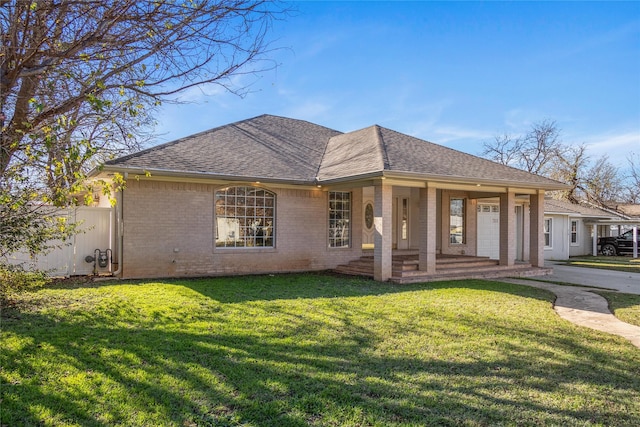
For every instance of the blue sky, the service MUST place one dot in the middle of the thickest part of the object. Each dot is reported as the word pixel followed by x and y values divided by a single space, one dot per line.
pixel 454 73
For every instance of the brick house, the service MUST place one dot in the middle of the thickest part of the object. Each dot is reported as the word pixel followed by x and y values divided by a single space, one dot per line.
pixel 274 194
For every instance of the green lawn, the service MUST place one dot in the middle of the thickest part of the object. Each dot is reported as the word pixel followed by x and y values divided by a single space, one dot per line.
pixel 618 263
pixel 626 307
pixel 299 350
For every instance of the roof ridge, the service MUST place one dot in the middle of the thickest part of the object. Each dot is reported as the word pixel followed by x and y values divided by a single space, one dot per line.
pixel 382 146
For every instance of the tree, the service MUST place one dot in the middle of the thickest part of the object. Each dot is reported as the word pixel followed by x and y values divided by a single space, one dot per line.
pixel 632 190
pixel 602 183
pixel 541 151
pixel 79 80
pixel 532 152
pixel 569 166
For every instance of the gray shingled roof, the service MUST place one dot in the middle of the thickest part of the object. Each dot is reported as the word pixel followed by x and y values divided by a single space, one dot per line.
pixel 376 148
pixel 265 147
pixel 282 149
pixel 563 206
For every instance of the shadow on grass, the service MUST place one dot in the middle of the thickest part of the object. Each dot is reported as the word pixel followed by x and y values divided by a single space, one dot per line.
pixel 238 289
pixel 328 365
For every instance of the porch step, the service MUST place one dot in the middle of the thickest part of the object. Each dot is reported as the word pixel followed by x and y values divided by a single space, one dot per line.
pixel 448 267
pixel 364 265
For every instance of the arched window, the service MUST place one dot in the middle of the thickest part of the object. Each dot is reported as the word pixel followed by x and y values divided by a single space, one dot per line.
pixel 245 217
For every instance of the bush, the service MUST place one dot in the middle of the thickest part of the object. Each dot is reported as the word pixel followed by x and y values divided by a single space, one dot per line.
pixel 15 279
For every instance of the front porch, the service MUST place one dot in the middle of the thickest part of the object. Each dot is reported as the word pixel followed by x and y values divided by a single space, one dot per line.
pixel 448 267
pixel 440 224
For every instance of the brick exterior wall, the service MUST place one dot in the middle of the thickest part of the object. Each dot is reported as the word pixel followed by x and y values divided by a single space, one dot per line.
pixel 169 231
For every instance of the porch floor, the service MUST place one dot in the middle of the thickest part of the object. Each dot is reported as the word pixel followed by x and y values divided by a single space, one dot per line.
pixel 448 267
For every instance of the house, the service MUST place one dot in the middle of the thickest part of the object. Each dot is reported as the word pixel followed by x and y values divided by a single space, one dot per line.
pixel 569 228
pixel 274 194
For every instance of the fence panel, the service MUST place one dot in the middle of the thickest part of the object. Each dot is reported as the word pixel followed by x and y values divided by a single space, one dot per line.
pixel 68 258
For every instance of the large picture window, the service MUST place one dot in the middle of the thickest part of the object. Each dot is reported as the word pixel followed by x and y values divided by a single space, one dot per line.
pixel 456 221
pixel 339 219
pixel 245 217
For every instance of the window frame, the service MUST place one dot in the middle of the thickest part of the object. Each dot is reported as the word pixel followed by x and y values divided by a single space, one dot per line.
pixel 574 233
pixel 548 231
pixel 463 225
pixel 245 208
pixel 335 213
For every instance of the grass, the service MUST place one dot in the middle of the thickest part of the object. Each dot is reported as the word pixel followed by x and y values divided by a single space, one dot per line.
pixel 308 350
pixel 626 307
pixel 618 263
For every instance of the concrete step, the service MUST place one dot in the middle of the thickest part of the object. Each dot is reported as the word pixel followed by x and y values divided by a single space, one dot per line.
pixel 405 268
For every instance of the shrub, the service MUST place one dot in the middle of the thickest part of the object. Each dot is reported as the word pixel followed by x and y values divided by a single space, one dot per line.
pixel 15 279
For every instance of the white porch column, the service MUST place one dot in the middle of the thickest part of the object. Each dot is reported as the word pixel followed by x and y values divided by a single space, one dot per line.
pixel 383 251
pixel 536 229
pixel 507 228
pixel 594 243
pixel 635 241
pixel 427 254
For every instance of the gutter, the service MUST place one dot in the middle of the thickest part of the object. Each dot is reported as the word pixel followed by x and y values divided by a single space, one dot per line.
pixel 548 186
pixel 196 175
pixel 445 179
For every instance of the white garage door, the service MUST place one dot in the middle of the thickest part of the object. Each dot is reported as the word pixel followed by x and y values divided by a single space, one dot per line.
pixel 489 231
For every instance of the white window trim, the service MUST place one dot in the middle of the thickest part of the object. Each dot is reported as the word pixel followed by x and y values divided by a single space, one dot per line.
pixel 349 212
pixel 577 242
pixel 272 224
pixel 550 233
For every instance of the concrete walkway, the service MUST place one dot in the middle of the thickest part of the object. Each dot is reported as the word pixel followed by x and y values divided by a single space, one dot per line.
pixel 582 307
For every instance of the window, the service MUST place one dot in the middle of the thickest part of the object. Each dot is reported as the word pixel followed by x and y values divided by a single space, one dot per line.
pixel 368 216
pixel 244 217
pixel 456 221
pixel 339 219
pixel 574 232
pixel 547 232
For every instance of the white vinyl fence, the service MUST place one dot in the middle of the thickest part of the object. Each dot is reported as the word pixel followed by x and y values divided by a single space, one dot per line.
pixel 69 258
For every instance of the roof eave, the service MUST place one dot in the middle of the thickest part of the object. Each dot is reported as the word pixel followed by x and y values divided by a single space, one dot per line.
pixel 551 186
pixel 142 172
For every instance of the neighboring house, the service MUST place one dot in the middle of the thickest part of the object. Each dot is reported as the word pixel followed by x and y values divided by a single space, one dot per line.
pixel 629 210
pixel 569 228
pixel 273 194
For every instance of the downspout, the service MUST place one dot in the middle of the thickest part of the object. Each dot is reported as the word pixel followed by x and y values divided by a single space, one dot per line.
pixel 119 228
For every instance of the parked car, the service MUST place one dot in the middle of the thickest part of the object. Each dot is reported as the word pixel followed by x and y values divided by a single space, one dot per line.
pixel 617 245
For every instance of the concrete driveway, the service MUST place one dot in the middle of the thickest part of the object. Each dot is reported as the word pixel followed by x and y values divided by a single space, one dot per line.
pixel 623 282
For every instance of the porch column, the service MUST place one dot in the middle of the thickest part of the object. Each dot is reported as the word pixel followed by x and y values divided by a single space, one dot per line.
pixel 507 228
pixel 382 240
pixel 594 243
pixel 526 219
pixel 427 254
pixel 635 241
pixel 536 229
